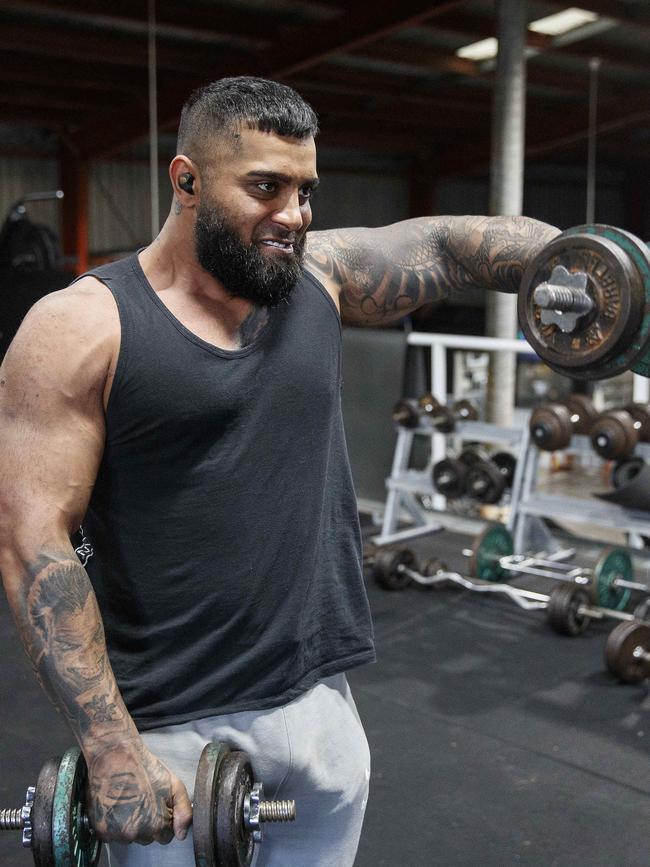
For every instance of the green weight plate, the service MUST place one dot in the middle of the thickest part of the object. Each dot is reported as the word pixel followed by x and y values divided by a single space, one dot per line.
pixel 613 564
pixel 206 793
pixel 42 842
pixel 488 548
pixel 616 336
pixel 620 649
pixel 75 844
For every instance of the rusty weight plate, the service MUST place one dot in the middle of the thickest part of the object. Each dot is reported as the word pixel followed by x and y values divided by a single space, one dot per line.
pixel 614 435
pixel 583 412
pixel 615 336
pixel 550 427
pixel 620 657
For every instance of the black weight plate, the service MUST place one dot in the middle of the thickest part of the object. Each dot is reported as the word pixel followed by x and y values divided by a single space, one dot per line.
pixel 550 427
pixel 235 844
pixel 385 569
pixel 485 482
pixel 406 413
pixel 603 342
pixel 562 612
pixel 613 435
pixel 626 470
pixel 464 410
pixel 470 457
pixel 42 843
pixel 428 403
pixel 206 795
pixel 449 476
pixel 583 412
pixel 506 463
pixel 641 414
pixel 443 419
pixel 620 647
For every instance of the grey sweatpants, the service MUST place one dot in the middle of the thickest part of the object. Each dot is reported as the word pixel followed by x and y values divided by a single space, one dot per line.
pixel 313 750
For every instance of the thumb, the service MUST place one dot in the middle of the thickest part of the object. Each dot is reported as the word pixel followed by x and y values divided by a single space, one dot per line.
pixel 182 809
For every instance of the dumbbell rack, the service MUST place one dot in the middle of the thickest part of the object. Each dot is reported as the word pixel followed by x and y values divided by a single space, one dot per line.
pixel 404 484
pixel 531 505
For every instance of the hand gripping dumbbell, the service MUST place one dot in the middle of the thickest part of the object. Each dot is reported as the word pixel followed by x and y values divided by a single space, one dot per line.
pixel 614 435
pixel 553 424
pixel 582 303
pixel 228 811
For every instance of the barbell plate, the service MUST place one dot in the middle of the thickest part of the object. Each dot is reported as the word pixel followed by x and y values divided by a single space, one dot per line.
pixel 613 435
pixel 449 476
pixel 75 844
pixel 42 842
pixel 205 799
pixel 550 427
pixel 489 546
pixel 485 482
pixel 613 563
pixel 615 336
pixel 506 463
pixel 620 647
pixel 385 569
pixel 563 612
pixel 235 844
pixel 581 406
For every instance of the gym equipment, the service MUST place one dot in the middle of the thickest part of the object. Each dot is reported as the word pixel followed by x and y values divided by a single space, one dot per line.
pixel 26 246
pixel 582 303
pixel 229 809
pixel 552 425
pixel 627 651
pixel 614 435
pixel 409 412
pixel 449 475
pixel 53 819
pixel 475 475
pixel 444 418
pixel 626 470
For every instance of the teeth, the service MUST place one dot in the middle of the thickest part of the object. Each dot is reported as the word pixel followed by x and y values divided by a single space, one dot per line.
pixel 280 244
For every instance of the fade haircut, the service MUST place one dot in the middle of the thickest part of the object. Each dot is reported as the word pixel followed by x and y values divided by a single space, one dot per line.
pixel 225 106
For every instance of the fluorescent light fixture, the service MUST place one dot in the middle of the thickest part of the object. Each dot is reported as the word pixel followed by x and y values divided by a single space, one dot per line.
pixel 563 22
pixel 482 50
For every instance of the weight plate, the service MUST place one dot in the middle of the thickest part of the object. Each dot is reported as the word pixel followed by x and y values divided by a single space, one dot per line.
pixel 506 463
pixel 621 644
pixel 489 547
pixel 42 841
pixel 464 410
pixel 614 337
pixel 641 414
pixel 470 457
pixel 550 427
pixel 583 412
pixel 612 564
pixel 75 844
pixel 449 476
pixel 386 572
pixel 406 413
pixel 613 435
pixel 443 419
pixel 235 844
pixel 429 404
pixel 563 612
pixel 206 796
pixel 626 470
pixel 485 482
pixel 430 568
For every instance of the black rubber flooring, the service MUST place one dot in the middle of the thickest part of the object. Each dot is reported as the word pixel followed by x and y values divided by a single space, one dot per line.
pixel 494 740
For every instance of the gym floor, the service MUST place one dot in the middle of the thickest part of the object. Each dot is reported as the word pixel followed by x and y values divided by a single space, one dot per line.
pixel 494 740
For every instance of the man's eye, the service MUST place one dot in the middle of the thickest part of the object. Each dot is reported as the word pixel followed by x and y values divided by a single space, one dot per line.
pixel 266 187
pixel 307 192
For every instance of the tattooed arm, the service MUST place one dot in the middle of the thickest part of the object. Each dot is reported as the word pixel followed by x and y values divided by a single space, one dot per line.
pixel 53 385
pixel 380 275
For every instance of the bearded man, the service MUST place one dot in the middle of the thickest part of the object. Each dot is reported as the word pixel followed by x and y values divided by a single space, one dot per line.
pixel 184 404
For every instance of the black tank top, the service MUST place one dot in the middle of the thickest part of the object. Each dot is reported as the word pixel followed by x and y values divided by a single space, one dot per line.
pixel 226 546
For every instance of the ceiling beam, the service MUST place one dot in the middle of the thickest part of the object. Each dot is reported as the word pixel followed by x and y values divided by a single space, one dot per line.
pixel 309 45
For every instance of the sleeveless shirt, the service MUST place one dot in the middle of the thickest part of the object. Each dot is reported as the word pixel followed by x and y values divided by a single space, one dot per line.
pixel 223 523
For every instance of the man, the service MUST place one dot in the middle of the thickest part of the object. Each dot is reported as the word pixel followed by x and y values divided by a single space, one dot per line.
pixel 184 403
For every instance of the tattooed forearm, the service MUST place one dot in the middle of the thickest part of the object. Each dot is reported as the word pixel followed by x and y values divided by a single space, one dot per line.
pixel 385 273
pixel 64 637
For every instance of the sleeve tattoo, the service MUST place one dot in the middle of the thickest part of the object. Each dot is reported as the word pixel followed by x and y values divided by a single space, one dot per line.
pixel 383 274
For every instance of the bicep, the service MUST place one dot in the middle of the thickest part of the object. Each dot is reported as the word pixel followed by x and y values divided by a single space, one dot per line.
pixel 51 430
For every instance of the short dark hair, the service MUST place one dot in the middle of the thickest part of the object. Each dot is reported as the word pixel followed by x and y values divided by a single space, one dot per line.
pixel 224 105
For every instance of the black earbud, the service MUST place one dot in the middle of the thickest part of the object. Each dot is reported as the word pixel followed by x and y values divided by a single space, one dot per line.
pixel 186 182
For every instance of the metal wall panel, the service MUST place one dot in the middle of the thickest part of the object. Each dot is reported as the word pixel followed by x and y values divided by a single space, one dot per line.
pixel 21 176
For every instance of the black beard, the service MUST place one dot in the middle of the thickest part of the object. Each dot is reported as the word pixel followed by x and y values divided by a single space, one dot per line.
pixel 241 268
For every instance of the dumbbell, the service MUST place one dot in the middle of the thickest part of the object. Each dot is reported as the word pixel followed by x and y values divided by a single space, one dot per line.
pixel 449 476
pixel 582 303
pixel 228 812
pixel 475 475
pixel 552 425
pixel 614 435
pixel 396 568
pixel 443 418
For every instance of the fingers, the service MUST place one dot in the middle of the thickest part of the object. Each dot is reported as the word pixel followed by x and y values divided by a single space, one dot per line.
pixel 182 809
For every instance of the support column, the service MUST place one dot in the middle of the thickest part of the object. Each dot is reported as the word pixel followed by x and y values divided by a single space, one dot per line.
pixel 73 180
pixel 506 188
